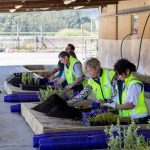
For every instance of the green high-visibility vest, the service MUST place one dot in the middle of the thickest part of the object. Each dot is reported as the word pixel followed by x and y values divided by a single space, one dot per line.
pixel 69 72
pixel 140 108
pixel 105 90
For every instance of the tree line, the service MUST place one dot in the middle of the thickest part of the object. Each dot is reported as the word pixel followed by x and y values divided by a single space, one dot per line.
pixel 53 21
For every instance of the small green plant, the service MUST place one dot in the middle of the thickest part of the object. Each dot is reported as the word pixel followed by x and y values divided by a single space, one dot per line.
pixel 108 118
pixel 126 139
pixel 114 143
pixel 44 94
pixel 27 78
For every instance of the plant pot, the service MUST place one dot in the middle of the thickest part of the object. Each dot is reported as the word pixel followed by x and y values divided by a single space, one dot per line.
pixel 32 88
pixel 21 97
pixel 15 108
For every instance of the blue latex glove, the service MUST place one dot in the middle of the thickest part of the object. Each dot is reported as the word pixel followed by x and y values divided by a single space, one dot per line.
pixel 95 105
pixel 50 83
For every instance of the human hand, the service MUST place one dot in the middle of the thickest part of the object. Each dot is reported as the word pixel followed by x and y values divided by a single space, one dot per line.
pixel 46 74
pixel 68 87
pixel 72 101
pixel 111 105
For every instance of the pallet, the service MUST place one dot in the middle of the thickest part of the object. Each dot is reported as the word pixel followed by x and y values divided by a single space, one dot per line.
pixel 10 89
pixel 44 124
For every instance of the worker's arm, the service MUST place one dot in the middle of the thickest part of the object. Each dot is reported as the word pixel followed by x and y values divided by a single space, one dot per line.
pixel 131 98
pixel 59 81
pixel 75 83
pixel 125 106
pixel 82 95
pixel 53 71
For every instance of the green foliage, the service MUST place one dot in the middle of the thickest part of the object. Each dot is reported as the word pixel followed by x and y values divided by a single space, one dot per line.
pixel 44 94
pixel 27 46
pixel 53 21
pixel 108 119
pixel 73 32
pixel 27 78
pixel 29 33
pixel 115 143
pixel 130 139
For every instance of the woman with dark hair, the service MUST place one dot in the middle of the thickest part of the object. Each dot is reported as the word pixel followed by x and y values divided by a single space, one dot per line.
pixel 73 73
pixel 60 67
pixel 131 101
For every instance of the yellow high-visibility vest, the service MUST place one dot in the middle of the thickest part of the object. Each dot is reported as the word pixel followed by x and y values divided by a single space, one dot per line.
pixel 69 72
pixel 105 90
pixel 141 107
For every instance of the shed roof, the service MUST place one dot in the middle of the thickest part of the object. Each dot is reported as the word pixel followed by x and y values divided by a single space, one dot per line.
pixel 49 5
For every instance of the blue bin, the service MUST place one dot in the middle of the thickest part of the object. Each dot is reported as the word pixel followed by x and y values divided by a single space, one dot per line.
pixel 98 141
pixel 74 142
pixel 22 97
pixel 95 105
pixel 15 108
pixel 43 81
pixel 37 138
pixel 64 143
pixel 32 87
pixel 79 142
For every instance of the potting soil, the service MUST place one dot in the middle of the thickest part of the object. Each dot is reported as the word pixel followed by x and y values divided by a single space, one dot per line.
pixel 55 106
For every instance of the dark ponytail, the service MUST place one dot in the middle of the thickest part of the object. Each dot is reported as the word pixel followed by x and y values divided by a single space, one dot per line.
pixel 122 65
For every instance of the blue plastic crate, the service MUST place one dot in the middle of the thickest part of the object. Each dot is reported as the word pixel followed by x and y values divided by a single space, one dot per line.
pixel 43 81
pixel 74 142
pixel 32 87
pixel 22 97
pixel 92 113
pixel 37 138
pixel 15 108
pixel 65 143
pixel 81 142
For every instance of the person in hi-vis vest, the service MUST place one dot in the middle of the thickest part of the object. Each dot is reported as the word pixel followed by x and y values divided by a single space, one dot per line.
pixel 60 67
pixel 99 81
pixel 73 74
pixel 131 101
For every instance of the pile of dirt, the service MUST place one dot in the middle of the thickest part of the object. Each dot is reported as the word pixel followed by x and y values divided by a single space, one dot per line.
pixel 55 106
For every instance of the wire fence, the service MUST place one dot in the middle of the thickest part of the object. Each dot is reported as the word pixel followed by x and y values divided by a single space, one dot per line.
pixel 87 45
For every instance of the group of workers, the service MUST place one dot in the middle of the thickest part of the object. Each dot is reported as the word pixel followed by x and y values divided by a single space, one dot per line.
pixel 128 100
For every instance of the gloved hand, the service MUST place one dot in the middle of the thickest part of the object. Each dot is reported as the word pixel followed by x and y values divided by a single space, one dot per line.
pixel 111 105
pixel 72 101
pixel 95 105
pixel 50 83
